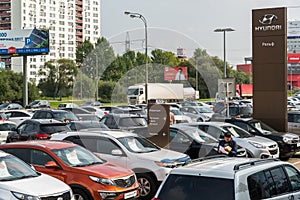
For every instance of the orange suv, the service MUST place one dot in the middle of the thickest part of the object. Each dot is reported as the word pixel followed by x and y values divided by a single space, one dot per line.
pixel 90 177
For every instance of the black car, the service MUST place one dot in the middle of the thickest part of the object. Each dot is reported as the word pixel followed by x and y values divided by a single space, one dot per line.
pixel 60 115
pixel 194 142
pixel 288 143
pixel 236 108
pixel 32 129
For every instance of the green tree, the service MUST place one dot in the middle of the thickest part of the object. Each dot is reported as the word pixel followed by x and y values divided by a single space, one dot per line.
pixel 60 77
pixel 82 51
pixel 11 87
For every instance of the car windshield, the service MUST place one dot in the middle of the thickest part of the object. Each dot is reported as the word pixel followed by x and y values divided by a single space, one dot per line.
pixel 236 132
pixel 63 116
pixel 132 121
pixel 264 128
pixel 12 168
pixel 77 156
pixel 187 187
pixel 3 106
pixel 138 144
pixel 203 109
pixel 34 103
pixel 199 135
pixel 7 127
pixel 176 112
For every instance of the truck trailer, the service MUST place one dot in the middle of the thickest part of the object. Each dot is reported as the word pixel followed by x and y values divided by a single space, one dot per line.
pixel 169 92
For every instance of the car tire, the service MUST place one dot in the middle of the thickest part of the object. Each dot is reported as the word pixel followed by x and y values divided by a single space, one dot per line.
pixel 200 119
pixel 147 187
pixel 80 194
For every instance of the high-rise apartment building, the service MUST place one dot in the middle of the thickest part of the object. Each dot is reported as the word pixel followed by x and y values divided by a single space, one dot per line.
pixel 5 24
pixel 70 22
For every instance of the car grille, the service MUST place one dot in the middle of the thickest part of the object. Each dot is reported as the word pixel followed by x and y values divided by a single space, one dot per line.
pixel 125 182
pixel 295 141
pixel 272 146
pixel 64 196
pixel 273 152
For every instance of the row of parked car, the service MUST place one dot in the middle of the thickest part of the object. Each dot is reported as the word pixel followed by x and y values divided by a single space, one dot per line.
pixel 119 144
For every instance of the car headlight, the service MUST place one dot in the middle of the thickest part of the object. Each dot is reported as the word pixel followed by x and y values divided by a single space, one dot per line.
pixel 287 140
pixel 258 145
pixel 166 164
pixel 24 196
pixel 103 181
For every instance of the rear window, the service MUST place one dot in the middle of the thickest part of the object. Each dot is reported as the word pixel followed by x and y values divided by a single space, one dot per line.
pixel 132 122
pixel 185 187
pixel 52 128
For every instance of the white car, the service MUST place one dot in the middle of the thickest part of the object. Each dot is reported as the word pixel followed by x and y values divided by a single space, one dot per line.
pixel 179 116
pixel 5 128
pixel 150 162
pixel 18 116
pixel 232 179
pixel 19 181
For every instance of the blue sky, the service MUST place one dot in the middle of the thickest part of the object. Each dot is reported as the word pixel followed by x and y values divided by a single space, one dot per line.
pixel 188 24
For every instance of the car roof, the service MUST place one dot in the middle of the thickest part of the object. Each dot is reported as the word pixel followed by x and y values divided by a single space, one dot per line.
pixel 115 134
pixel 225 167
pixel 50 144
pixel 45 121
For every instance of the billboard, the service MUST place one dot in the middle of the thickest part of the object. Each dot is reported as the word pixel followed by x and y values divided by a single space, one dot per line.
pixel 175 73
pixel 24 42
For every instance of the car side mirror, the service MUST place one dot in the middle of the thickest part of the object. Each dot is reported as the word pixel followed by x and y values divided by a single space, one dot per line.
pixel 116 152
pixel 51 164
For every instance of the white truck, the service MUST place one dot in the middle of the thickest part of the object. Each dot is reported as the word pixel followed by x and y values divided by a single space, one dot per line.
pixel 169 92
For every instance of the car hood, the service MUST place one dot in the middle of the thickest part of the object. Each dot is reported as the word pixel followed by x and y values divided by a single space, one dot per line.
pixel 106 170
pixel 284 134
pixel 164 155
pixel 261 140
pixel 42 185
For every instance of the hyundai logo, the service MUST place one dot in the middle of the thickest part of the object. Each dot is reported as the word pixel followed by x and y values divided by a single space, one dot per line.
pixel 268 19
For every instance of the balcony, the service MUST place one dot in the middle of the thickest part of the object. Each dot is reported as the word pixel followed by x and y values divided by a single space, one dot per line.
pixel 79 2
pixel 5 1
pixel 78 8
pixel 79 33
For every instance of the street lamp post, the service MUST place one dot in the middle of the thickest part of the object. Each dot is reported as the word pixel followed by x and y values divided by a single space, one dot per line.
pixel 224 30
pixel 137 15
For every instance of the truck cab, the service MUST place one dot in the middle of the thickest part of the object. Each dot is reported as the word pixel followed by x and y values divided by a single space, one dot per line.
pixel 136 95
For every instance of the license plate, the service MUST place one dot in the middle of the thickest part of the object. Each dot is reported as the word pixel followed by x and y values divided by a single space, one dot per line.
pixel 298 144
pixel 130 194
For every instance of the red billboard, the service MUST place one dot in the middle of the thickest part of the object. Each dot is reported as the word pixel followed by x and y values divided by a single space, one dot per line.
pixel 294 58
pixel 175 73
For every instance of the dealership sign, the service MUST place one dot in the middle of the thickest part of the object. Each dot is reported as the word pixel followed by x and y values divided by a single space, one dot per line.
pixel 269 58
pixel 24 42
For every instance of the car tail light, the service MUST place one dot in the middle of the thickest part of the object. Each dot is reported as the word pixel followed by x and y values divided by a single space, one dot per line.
pixel 155 198
pixel 41 136
pixel 105 112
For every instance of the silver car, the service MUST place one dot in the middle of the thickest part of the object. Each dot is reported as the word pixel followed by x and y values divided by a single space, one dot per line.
pixel 150 163
pixel 256 146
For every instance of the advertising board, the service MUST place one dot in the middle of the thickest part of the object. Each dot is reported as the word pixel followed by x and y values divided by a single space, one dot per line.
pixel 175 73
pixel 24 42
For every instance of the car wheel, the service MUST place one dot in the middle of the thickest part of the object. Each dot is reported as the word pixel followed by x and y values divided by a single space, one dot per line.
pixel 200 120
pixel 79 194
pixel 147 186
